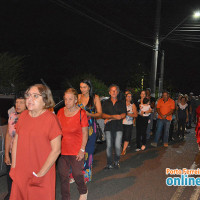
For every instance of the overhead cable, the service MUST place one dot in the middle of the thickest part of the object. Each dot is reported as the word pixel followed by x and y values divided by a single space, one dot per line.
pixel 129 36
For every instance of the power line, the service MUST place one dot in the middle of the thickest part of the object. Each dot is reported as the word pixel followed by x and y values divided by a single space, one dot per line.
pixel 182 39
pixel 106 20
pixel 65 5
pixel 186 37
pixel 174 29
pixel 187 30
pixel 111 14
pixel 184 34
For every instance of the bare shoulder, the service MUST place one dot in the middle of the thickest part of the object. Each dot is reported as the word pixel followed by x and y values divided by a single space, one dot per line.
pixel 133 105
pixel 96 98
pixel 79 96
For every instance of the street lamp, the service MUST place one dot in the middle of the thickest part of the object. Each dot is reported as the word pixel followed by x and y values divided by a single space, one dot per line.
pixel 158 41
pixel 196 14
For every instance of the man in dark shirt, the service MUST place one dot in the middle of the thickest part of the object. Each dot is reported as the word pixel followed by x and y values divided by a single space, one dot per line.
pixel 114 111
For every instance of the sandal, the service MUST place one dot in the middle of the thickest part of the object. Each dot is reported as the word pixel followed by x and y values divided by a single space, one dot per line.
pixel 123 153
pixel 71 180
pixel 143 147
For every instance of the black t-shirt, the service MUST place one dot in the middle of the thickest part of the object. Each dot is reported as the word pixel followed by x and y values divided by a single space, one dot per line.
pixel 182 113
pixel 118 108
pixel 137 104
pixel 152 100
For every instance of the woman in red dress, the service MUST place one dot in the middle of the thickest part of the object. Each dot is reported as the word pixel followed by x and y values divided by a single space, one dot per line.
pixel 36 146
pixel 197 129
pixel 74 125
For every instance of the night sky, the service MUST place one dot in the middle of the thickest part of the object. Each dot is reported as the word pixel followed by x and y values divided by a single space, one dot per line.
pixel 60 42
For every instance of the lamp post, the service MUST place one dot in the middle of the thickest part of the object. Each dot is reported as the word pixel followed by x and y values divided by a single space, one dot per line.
pixel 158 41
pixel 155 50
pixel 161 74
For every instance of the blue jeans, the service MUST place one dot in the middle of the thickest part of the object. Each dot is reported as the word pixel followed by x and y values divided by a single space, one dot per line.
pixel 160 124
pixel 116 139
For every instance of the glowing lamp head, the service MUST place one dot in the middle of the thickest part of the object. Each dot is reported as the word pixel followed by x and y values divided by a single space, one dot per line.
pixel 197 14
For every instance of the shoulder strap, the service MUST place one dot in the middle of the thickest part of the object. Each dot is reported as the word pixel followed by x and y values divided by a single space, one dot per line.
pixel 80 115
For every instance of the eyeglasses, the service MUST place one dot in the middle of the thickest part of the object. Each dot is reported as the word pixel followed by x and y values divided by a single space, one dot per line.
pixel 33 95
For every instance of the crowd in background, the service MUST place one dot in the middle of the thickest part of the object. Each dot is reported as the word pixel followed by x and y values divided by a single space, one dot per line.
pixel 72 133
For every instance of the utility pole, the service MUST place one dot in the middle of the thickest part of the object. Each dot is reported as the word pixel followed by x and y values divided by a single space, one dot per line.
pixel 155 50
pixel 161 73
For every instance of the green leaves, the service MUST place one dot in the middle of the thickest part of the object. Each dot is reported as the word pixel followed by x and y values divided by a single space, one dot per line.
pixel 11 72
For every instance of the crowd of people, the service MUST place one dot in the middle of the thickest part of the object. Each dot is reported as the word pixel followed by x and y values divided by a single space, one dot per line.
pixel 37 137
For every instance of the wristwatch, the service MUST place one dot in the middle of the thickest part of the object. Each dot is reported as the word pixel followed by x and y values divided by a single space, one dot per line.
pixel 83 150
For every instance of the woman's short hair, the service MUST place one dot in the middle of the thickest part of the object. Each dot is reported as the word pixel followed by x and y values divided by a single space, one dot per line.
pixel 72 91
pixel 18 96
pixel 46 95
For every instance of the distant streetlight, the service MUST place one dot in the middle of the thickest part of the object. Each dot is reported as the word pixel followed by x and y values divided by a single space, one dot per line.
pixel 196 14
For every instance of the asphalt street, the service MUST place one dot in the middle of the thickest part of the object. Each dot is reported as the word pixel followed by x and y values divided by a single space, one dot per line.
pixel 142 174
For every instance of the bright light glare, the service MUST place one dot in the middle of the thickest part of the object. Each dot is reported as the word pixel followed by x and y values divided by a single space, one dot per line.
pixel 197 14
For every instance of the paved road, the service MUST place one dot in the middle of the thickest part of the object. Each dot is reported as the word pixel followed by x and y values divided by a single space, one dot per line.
pixel 142 174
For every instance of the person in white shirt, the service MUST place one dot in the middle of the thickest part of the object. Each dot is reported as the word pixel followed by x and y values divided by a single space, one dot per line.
pixel 145 107
pixel 142 121
pixel 128 121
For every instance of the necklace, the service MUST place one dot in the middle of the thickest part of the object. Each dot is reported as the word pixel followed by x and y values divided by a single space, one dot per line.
pixel 37 114
pixel 70 112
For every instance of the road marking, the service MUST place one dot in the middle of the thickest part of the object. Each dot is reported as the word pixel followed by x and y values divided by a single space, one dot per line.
pixel 195 194
pixel 180 189
pixel 178 193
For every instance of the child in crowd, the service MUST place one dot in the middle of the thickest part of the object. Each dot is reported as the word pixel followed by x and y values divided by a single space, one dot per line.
pixel 145 107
